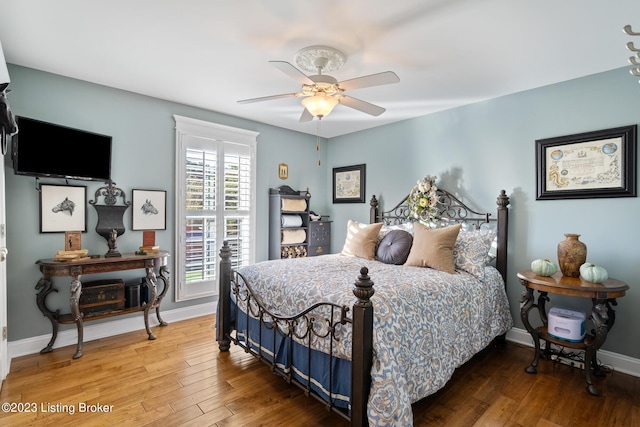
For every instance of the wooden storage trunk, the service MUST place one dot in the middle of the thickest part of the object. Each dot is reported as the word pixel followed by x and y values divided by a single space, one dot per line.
pixel 101 296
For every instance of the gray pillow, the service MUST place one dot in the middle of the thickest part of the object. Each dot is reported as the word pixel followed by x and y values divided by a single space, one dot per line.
pixel 394 248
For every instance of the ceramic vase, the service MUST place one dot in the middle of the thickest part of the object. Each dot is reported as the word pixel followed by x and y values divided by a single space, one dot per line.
pixel 572 253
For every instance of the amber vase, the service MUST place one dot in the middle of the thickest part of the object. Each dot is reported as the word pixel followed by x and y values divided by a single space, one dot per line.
pixel 572 253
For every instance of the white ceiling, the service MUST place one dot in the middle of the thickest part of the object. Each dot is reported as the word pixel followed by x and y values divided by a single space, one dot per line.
pixel 212 53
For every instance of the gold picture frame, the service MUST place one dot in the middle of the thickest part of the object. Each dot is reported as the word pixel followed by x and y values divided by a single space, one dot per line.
pixel 283 171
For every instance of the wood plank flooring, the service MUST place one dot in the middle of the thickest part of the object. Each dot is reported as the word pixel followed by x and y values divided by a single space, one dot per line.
pixel 181 379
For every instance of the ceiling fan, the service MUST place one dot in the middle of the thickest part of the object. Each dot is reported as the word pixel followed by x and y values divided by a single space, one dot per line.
pixel 322 92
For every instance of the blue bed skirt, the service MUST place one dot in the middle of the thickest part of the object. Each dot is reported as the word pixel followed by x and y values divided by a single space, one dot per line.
pixel 268 344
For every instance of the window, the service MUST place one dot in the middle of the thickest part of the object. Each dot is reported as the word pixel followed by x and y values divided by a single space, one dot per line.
pixel 215 187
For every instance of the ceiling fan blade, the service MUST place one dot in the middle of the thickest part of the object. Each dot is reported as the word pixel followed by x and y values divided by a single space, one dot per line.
pixel 292 72
pixel 360 105
pixel 306 116
pixel 378 79
pixel 268 98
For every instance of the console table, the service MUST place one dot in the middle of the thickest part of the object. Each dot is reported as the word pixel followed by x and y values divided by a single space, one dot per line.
pixel 75 269
pixel 603 297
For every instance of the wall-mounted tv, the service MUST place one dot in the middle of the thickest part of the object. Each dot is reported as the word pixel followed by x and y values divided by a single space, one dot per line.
pixel 48 150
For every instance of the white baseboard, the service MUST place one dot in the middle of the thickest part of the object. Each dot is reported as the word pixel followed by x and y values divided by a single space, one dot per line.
pixel 619 362
pixel 106 329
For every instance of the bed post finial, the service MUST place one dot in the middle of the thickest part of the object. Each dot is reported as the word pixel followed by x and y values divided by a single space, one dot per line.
pixel 362 348
pixel 503 200
pixel 223 322
pixel 363 288
pixel 373 210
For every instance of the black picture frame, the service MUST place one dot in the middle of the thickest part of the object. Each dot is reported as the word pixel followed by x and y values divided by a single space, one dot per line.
pixel 349 184
pixel 63 208
pixel 587 165
pixel 149 210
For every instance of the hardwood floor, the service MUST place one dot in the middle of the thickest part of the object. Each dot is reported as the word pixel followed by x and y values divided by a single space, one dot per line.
pixel 181 379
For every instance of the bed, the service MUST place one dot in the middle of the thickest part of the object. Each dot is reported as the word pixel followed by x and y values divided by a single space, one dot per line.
pixel 367 335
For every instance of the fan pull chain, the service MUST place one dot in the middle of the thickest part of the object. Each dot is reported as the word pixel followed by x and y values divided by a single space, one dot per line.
pixel 318 140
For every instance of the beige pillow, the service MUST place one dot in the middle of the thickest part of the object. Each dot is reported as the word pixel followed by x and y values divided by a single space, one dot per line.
pixel 361 239
pixel 433 247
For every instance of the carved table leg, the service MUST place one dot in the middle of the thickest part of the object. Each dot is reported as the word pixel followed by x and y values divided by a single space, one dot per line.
pixel 600 317
pixel 153 295
pixel 164 276
pixel 527 301
pixel 76 291
pixel 44 286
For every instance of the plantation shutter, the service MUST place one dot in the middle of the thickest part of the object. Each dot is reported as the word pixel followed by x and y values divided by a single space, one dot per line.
pixel 216 180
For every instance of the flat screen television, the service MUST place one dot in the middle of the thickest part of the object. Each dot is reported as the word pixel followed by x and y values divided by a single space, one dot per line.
pixel 48 150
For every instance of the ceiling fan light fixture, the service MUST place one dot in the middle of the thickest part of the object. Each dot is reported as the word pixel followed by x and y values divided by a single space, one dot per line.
pixel 320 105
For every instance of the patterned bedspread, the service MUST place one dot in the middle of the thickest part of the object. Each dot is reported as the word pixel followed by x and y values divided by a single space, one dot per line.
pixel 426 322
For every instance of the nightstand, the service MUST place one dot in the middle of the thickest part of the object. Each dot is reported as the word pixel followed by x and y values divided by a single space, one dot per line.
pixel 603 297
pixel 319 238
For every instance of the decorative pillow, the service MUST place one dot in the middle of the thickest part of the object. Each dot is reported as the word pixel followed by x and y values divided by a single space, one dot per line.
pixel 433 247
pixel 394 247
pixel 470 252
pixel 405 226
pixel 361 239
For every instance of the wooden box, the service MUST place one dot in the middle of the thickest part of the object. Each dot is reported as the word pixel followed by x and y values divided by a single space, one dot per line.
pixel 101 296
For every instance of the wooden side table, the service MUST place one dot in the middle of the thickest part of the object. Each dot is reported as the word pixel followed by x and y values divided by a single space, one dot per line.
pixel 603 297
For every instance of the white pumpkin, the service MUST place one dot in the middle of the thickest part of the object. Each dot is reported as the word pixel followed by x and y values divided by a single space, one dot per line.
pixel 544 267
pixel 593 273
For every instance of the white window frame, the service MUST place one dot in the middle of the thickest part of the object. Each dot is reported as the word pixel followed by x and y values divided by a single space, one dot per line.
pixel 193 133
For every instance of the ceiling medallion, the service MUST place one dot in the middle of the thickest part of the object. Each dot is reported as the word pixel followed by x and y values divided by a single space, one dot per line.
pixel 310 58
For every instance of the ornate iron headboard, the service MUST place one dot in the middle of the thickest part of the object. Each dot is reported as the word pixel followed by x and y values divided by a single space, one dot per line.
pixel 453 210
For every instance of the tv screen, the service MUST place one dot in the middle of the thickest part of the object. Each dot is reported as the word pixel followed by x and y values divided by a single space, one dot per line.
pixel 49 150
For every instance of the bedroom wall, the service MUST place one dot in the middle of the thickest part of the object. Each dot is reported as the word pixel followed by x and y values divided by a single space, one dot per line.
pixel 479 149
pixel 143 158
pixel 474 150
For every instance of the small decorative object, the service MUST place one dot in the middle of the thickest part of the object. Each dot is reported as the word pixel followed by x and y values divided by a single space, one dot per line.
pixel 148 238
pixel 283 171
pixel 593 273
pixel 110 215
pixel 544 267
pixel 423 200
pixel 572 253
pixel 72 255
pixel 72 240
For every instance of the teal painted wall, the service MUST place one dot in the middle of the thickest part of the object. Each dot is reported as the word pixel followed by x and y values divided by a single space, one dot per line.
pixel 475 151
pixel 143 158
pixel 479 149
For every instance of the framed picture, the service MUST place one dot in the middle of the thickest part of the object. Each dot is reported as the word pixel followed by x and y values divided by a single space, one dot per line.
pixel 72 240
pixel 349 184
pixel 587 165
pixel 149 210
pixel 283 171
pixel 63 208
